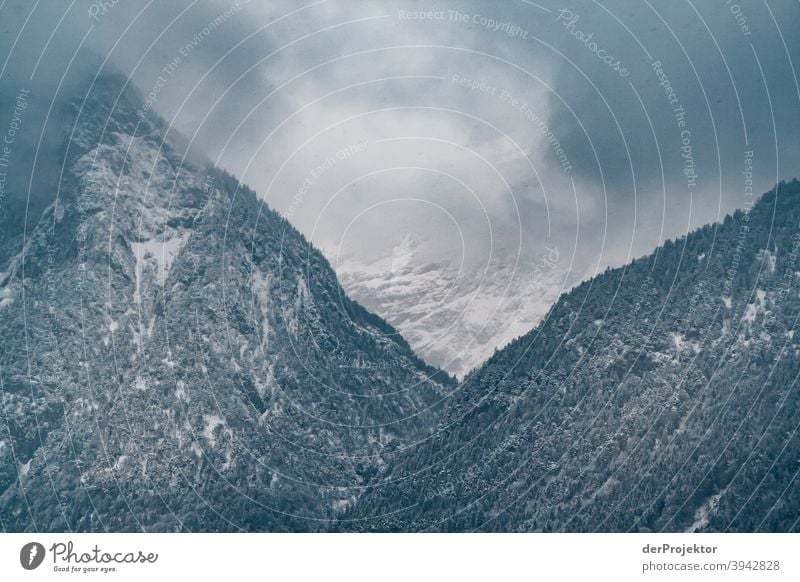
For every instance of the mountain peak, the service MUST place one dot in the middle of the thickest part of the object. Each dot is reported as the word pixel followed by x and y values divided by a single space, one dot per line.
pixel 188 341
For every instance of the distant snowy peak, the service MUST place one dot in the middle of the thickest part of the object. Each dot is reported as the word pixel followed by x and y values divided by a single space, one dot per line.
pixel 455 319
pixel 402 256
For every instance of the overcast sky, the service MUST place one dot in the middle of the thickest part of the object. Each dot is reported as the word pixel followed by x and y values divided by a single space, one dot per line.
pixel 486 131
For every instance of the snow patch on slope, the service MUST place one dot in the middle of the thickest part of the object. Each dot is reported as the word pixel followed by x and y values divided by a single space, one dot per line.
pixel 211 422
pixel 704 513
pixel 754 309
pixel 161 254
pixel 769 259
pixel 681 343
pixel 262 285
pixel 6 297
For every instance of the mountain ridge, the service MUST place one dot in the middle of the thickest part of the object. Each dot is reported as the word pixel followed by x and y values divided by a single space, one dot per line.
pixel 178 357
pixel 558 372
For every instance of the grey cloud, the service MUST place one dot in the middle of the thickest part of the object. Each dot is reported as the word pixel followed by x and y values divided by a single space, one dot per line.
pixel 588 108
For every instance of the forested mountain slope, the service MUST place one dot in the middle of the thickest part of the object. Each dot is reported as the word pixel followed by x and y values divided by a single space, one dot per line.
pixel 660 396
pixel 176 356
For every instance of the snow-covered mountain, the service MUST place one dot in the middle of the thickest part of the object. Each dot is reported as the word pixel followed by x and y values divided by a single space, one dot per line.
pixel 454 316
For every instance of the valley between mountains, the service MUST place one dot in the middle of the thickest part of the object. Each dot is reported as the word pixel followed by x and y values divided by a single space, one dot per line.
pixel 176 356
